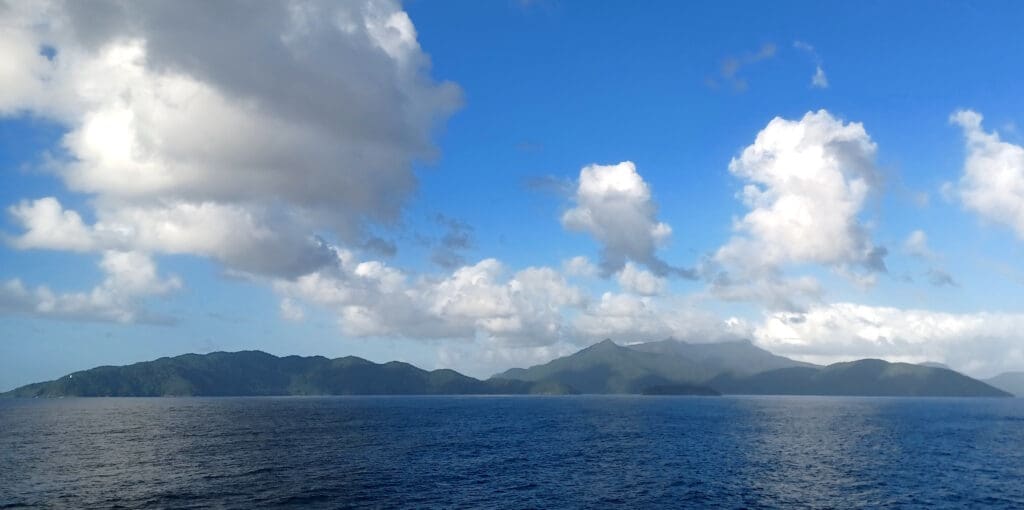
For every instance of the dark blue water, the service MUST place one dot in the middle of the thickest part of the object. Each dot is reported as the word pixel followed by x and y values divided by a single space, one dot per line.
pixel 513 452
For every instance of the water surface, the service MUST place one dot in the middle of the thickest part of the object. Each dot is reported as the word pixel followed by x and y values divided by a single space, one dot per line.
pixel 515 452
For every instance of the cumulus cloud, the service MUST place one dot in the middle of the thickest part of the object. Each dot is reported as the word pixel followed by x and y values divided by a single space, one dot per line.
pixel 772 289
pixel 992 184
pixel 806 183
pixel 638 281
pixel 613 204
pixel 308 121
pixel 245 238
pixel 978 343
pixel 130 276
pixel 579 266
pixel 476 301
pixel 500 311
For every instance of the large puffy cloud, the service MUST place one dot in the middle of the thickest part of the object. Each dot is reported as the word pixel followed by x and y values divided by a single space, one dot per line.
pixel 638 281
pixel 478 301
pixel 979 343
pixel 807 182
pixel 247 239
pixel 507 314
pixel 308 120
pixel 992 184
pixel 130 276
pixel 614 205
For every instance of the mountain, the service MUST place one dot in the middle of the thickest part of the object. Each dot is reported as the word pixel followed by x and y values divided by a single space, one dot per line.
pixel 739 357
pixel 934 364
pixel 1010 382
pixel 607 367
pixel 868 377
pixel 674 367
pixel 252 373
pixel 655 368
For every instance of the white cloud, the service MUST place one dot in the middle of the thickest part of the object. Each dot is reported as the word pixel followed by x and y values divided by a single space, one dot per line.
pixel 131 276
pixel 807 182
pixel 992 184
pixel 309 121
pixel 245 238
pixel 48 225
pixel 979 343
pixel 819 80
pixel 290 310
pixel 638 281
pixel 916 245
pixel 579 266
pixel 614 205
pixel 484 359
pixel 772 289
pixel 476 301
pixel 632 318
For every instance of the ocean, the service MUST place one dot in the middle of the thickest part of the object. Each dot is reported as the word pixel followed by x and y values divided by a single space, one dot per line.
pixel 512 452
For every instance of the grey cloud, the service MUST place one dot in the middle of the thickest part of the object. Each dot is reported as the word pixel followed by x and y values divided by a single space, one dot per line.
pixel 940 278
pixel 613 204
pixel 729 72
pixel 380 246
pixel 307 119
pixel 457 238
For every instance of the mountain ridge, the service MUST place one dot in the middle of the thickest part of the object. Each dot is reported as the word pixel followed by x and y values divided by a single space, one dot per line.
pixel 256 373
pixel 666 367
pixel 1010 382
pixel 739 367
pixel 865 377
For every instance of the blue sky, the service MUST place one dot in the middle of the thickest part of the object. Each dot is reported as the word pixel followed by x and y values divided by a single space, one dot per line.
pixel 410 181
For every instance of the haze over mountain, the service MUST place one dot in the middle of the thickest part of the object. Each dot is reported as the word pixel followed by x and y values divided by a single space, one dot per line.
pixel 607 367
pixel 1011 382
pixel 739 368
pixel 739 356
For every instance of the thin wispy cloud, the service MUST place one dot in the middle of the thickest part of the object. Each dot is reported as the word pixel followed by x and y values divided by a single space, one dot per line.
pixel 818 79
pixel 730 72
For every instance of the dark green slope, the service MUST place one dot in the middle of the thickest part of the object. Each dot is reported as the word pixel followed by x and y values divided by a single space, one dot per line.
pixel 609 368
pixel 255 373
pixel 869 377
pixel 1010 382
pixel 740 357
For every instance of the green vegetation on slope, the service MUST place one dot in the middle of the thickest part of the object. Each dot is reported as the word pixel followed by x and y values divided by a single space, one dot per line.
pixel 657 368
pixel 868 377
pixel 610 368
pixel 252 373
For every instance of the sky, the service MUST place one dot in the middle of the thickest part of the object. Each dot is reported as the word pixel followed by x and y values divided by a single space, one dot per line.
pixel 482 185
